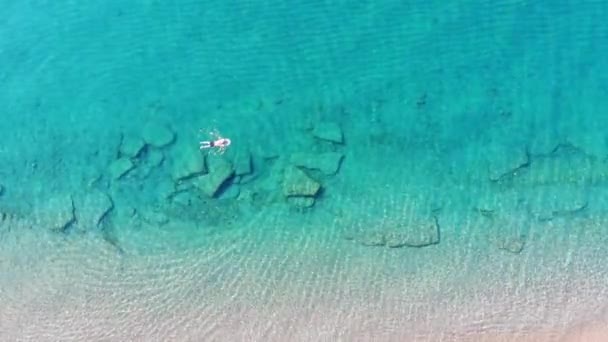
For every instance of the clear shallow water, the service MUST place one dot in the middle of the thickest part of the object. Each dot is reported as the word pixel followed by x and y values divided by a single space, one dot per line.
pixel 469 204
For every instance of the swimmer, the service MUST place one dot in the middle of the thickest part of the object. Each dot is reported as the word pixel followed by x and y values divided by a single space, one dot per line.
pixel 217 142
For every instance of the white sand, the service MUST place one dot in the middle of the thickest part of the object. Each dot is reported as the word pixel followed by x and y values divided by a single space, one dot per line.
pixel 300 285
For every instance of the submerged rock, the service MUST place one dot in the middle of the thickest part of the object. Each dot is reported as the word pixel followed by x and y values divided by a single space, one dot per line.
pixel 165 189
pixel 154 159
pixel 328 163
pixel 566 166
pixel 329 131
pixel 120 167
pixel 544 144
pixel 220 170
pixel 188 162
pixel 242 163
pixel 183 198
pixel 298 188
pixel 93 208
pixel 508 231
pixel 548 202
pixel 592 141
pixel 373 238
pixel 297 183
pixel 150 163
pixel 419 232
pixel 301 201
pixel 504 160
pixel 416 233
pixel 131 146
pixel 154 216
pixel 57 213
pixel 232 192
pixel 511 244
pixel 157 135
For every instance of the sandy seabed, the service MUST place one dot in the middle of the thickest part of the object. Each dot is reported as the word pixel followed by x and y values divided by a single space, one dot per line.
pixel 241 286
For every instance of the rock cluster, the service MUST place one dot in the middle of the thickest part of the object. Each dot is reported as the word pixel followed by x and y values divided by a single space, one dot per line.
pixel 303 174
pixel 157 178
pixel 269 176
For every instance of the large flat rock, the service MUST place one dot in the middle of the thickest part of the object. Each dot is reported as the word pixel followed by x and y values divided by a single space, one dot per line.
pixel 568 167
pixel 57 213
pixel 413 233
pixel 417 231
pixel 157 134
pixel 242 163
pixel 593 141
pixel 297 183
pixel 92 208
pixel 548 202
pixel 220 170
pixel 131 146
pixel 328 163
pixel 188 162
pixel 504 160
pixel 544 143
pixel 329 131
pixel 120 167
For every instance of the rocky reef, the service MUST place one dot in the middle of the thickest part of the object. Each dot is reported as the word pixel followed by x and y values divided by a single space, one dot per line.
pixel 159 178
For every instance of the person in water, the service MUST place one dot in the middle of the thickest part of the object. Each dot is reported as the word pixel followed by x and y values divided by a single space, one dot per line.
pixel 218 143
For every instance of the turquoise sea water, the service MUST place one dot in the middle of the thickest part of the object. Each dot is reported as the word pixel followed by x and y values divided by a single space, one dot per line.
pixel 398 171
